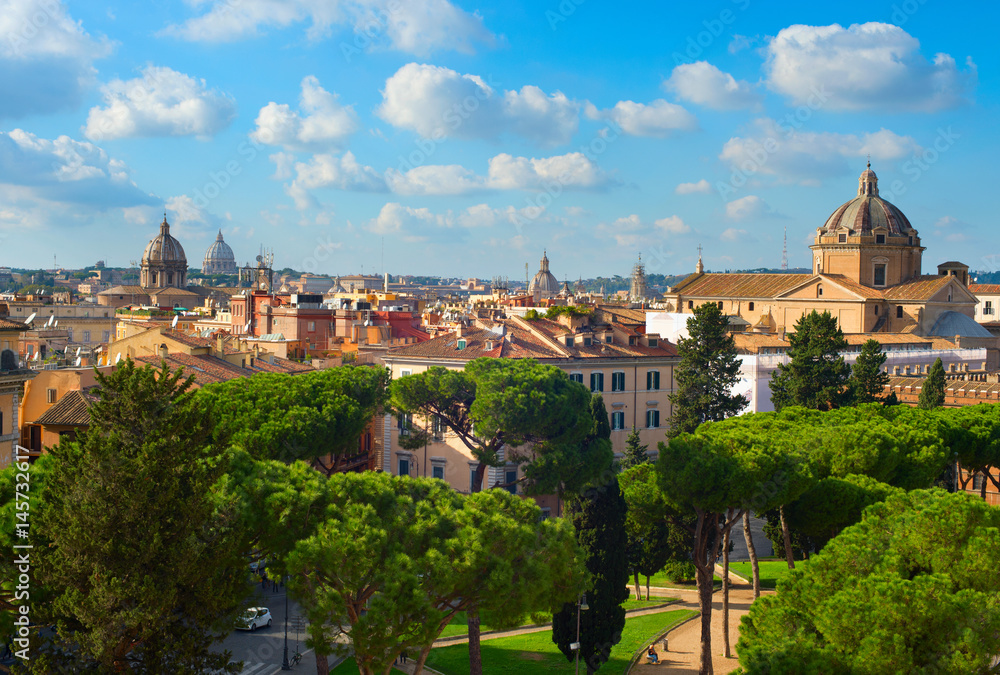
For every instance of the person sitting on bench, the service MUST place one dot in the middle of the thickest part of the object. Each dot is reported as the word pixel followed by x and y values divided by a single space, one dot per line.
pixel 652 655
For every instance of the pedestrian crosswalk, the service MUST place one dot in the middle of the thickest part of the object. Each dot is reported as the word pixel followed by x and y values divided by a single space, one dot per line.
pixel 260 669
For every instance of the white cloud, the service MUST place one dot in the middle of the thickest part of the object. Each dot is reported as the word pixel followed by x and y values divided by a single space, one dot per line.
pixel 770 148
pixel 415 26
pixel 188 219
pixel 701 187
pixel 439 103
pixel 572 171
pixel 870 66
pixel 329 171
pixel 162 102
pixel 66 171
pixel 658 118
pixel 321 123
pixel 750 206
pixel 421 224
pixel 672 225
pixel 704 84
pixel 46 58
pixel 732 234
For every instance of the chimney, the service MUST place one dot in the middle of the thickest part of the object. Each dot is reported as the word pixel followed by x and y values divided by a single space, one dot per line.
pixel 459 329
pixel 163 352
pixel 386 282
pixel 220 343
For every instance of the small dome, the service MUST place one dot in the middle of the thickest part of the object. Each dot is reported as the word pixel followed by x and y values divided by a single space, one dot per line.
pixel 952 323
pixel 544 281
pixel 219 258
pixel 163 247
pixel 868 211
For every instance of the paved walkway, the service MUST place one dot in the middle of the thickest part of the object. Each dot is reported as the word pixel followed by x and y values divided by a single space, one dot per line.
pixel 685 640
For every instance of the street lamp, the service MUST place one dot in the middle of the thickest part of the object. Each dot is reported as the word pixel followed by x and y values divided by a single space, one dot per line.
pixel 284 658
pixel 581 605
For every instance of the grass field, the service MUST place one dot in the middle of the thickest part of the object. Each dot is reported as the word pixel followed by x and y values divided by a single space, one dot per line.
pixel 660 580
pixel 536 653
pixel 770 571
pixel 459 625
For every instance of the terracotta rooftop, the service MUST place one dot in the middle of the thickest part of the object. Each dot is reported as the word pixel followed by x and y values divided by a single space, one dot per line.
pixel 739 285
pixel 920 288
pixel 854 286
pixel 11 324
pixel 985 289
pixel 72 410
pixel 209 369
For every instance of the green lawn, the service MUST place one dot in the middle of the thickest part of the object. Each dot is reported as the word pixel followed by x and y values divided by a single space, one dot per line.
pixel 660 580
pixel 349 667
pixel 459 625
pixel 770 571
pixel 536 653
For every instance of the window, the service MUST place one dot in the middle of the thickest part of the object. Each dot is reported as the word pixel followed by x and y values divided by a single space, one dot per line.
pixel 879 275
pixel 653 342
pixel 690 304
pixel 879 238
pixel 438 471
pixel 586 342
pixel 405 371
pixel 461 344
pixel 842 238
pixel 652 380
pixel 472 478
pixel 607 338
pixel 404 423
pixel 69 335
pixel 50 395
pixel 597 382
pixel 750 306
pixel 618 381
pixel 404 466
pixel 899 311
pixel 617 420
pixel 545 514
pixel 988 307
pixel 437 426
pixel 720 304
pixel 106 337
pixel 652 419
pixel 819 291
pixel 311 327
pixel 86 336
pixel 576 377
pixel 510 481
pixel 876 310
pixel 569 341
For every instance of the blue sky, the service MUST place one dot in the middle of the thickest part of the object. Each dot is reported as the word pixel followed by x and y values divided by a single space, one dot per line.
pixel 469 138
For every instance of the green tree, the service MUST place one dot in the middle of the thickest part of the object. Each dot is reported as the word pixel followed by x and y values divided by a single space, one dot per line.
pixel 975 442
pixel 636 452
pixel 143 567
pixel 599 518
pixel 708 369
pixel 932 390
pixel 816 375
pixel 316 417
pixel 909 589
pixel 868 379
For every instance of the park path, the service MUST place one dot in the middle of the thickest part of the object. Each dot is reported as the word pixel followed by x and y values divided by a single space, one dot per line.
pixel 685 640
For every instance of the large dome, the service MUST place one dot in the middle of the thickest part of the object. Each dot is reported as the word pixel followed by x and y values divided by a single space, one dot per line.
pixel 868 212
pixel 544 281
pixel 163 247
pixel 219 258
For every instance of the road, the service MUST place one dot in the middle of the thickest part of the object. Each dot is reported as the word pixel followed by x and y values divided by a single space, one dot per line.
pixel 262 650
pixel 760 542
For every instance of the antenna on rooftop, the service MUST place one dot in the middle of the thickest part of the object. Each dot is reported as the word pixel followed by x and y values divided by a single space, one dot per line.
pixel 784 252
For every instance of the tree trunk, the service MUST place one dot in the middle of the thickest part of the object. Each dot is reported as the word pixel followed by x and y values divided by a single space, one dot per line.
pixel 705 600
pixel 322 665
pixel 752 550
pixel 638 591
pixel 787 536
pixel 475 655
pixel 418 667
pixel 982 490
pixel 725 589
pixel 480 475
pixel 647 588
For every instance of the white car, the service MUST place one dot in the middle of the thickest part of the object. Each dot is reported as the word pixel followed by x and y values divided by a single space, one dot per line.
pixel 254 618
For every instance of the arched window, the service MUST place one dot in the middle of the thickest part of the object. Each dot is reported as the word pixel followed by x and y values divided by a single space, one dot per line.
pixel 819 291
pixel 750 306
pixel 720 304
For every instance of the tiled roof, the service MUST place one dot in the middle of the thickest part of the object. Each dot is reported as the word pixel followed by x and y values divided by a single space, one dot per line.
pixel 984 289
pixel 125 290
pixel 209 369
pixel 920 288
pixel 611 314
pixel 739 285
pixel 11 324
pixel 854 286
pixel 171 290
pixel 72 410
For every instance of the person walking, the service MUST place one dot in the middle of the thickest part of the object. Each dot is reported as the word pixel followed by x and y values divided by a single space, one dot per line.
pixel 402 657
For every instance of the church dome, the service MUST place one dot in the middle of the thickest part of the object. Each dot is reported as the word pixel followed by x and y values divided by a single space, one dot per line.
pixel 544 281
pixel 868 212
pixel 164 248
pixel 219 258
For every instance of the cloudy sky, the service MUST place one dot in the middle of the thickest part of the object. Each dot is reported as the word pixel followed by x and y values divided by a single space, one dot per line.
pixel 463 140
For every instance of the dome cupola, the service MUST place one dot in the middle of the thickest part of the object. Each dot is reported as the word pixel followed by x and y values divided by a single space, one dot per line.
pixel 544 281
pixel 219 258
pixel 163 262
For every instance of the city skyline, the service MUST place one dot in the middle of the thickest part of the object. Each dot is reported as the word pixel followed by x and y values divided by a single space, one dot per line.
pixel 477 137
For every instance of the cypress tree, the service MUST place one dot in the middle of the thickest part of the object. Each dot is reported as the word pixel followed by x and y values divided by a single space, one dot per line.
pixel 635 452
pixel 868 380
pixel 816 375
pixel 708 369
pixel 599 519
pixel 932 391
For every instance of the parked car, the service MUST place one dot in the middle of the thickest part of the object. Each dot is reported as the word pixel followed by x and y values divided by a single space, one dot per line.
pixel 254 618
